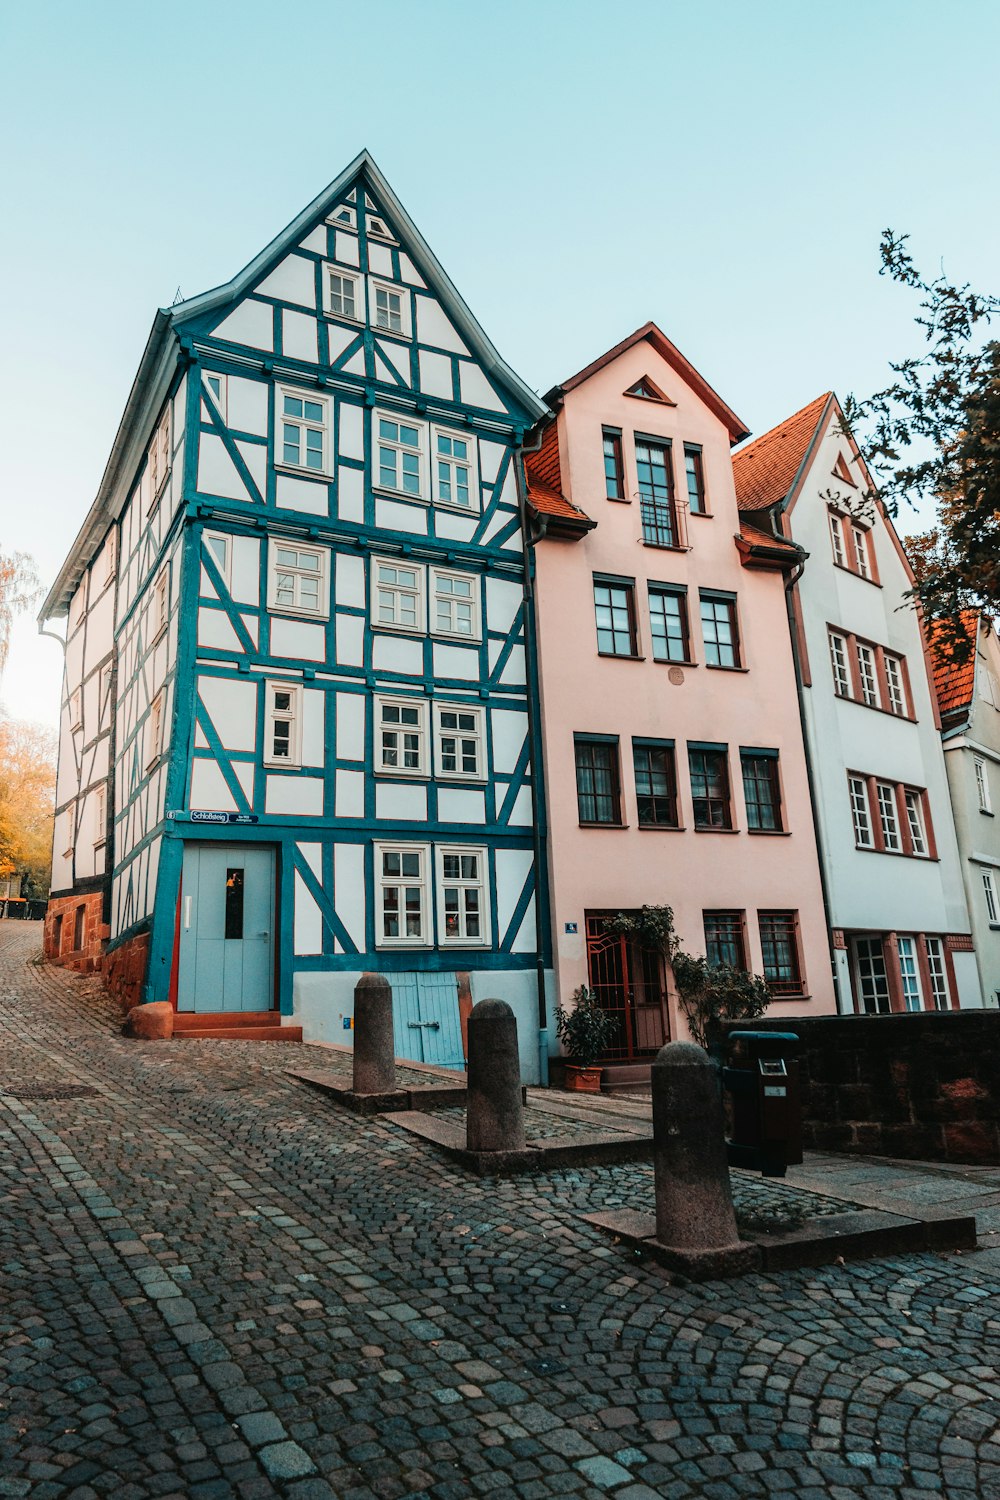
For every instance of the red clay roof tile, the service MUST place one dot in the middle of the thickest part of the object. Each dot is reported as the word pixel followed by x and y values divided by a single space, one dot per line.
pixel 765 469
pixel 953 681
pixel 544 477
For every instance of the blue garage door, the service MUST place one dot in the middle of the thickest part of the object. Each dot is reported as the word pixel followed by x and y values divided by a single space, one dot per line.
pixel 425 1019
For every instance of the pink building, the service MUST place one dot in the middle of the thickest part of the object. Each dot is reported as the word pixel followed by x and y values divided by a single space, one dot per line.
pixel 674 761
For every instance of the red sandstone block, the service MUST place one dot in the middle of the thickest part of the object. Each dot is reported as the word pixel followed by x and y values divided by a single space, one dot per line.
pixel 151 1023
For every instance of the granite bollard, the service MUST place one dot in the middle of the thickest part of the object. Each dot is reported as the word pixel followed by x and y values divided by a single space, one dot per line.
pixel 495 1110
pixel 374 1048
pixel 694 1201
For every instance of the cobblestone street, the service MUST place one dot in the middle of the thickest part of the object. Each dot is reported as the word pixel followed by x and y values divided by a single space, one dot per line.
pixel 213 1283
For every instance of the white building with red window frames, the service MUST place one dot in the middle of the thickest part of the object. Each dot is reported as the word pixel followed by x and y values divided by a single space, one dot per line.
pixel 893 883
pixel 674 762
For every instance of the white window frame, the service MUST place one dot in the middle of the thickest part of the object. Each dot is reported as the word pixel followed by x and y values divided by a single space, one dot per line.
pixel 868 674
pixel 887 806
pixel 478 734
pixel 354 276
pixel 399 448
pixel 864 836
pixel 104 689
pixel 70 831
pixel 451 434
pixel 419 730
pixel 100 816
pixel 909 972
pixel 837 538
pixel 916 821
pixel 292 716
pixel 220 397
pixel 990 892
pixel 378 229
pixel 76 709
pixel 418 593
pixel 350 223
pixel 895 684
pixel 420 881
pixel 154 748
pixel 158 458
pixel 295 571
pixel 110 557
pixel 481 883
pixel 307 424
pixel 225 568
pixel 436 576
pixel 383 284
pixel 860 537
pixel 161 603
pixel 938 971
pixel 982 785
pixel 838 662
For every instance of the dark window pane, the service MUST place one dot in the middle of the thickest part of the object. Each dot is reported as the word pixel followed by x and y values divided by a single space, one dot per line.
pixel 695 480
pixel 656 786
pixel 656 494
pixel 234 903
pixel 615 614
pixel 718 623
pixel 760 788
pixel 614 469
pixel 710 789
pixel 724 938
pixel 597 782
pixel 780 951
pixel 668 625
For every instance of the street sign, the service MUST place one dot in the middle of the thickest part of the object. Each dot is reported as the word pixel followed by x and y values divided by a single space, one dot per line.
pixel 224 817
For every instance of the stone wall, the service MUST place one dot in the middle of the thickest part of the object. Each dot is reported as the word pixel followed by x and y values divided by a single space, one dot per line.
pixel 124 971
pixel 75 931
pixel 924 1086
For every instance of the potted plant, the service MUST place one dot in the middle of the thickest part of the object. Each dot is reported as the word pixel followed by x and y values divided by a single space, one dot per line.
pixel 585 1032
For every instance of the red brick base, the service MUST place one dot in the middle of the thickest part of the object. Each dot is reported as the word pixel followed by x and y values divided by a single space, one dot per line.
pixel 124 970
pixel 75 931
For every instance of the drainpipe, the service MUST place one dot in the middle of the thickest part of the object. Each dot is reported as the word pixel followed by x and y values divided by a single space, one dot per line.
pixel 790 583
pixel 534 737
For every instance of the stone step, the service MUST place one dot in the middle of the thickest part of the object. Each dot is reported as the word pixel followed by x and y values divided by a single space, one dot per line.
pixel 239 1033
pixel 198 1020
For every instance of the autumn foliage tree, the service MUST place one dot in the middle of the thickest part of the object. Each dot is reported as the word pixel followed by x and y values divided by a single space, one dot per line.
pixel 19 590
pixel 933 433
pixel 27 803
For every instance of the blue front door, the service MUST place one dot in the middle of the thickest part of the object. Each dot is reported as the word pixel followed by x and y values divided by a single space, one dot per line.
pixel 227 925
pixel 425 1019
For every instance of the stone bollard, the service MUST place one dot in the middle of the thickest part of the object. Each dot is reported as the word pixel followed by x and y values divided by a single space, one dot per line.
pixel 694 1201
pixel 374 1047
pixel 495 1111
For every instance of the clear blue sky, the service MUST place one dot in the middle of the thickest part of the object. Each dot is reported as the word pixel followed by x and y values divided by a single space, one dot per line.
pixel 724 169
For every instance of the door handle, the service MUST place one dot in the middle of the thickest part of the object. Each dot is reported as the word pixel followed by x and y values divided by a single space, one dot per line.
pixel 263 934
pixel 430 1025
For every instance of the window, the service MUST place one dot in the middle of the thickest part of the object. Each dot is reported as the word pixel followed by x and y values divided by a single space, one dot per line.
pixel 718 626
pixel 342 299
pixel 455 483
pixel 219 551
pixel 235 907
pixel 400 456
pixel 982 786
pixel 614 465
pixel 937 973
pixel 695 475
pixel 304 431
pixel 906 949
pixel 155 734
pixel 668 624
pixel 460 742
pixel 761 790
pixel 401 746
pixel 838 661
pixel 888 816
pixel 110 556
pixel 894 684
pixel 914 801
pixel 870 974
pixel 867 675
pixel 297 583
pixel 779 944
pixel 463 910
pixel 104 697
pixel 724 939
pixel 861 550
pixel 159 458
pixel 216 386
pixel 837 537
pixel 79 927
pixel 598 787
pixel 344 217
pixel 989 891
pixel 859 811
pixel 404 909
pixel 70 831
pixel 454 604
pixel 656 494
pixel 614 606
pixel 282 721
pixel 398 595
pixel 390 308
pixel 100 816
pixel 710 786
pixel 161 603
pixel 378 229
pixel 75 709
pixel 655 783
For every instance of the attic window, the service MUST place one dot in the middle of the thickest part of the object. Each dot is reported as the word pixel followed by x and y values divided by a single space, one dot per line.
pixel 344 217
pixel 842 472
pixel 647 390
pixel 378 229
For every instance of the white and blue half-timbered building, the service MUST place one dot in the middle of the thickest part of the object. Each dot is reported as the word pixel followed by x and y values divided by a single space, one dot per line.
pixel 319 759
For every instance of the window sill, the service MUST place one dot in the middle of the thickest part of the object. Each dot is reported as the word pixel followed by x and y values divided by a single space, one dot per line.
pixel 662 661
pixel 855 574
pixel 797 999
pixel 286 765
pixel 618 656
pixel 417 631
pixel 413 945
pixel 454 510
pixel 718 667
pixel 770 833
pixel 666 546
pixel 614 827
pixel 984 812
pixel 288 611
pixel 702 515
pixel 389 494
pixel 715 830
pixel 419 778
pixel 302 473
pixel 921 859
pixel 661 828
pixel 336 317
pixel 448 778
pixel 876 708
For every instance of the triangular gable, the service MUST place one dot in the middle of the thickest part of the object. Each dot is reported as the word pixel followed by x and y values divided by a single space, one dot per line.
pixel 841 471
pixel 647 390
pixel 381 202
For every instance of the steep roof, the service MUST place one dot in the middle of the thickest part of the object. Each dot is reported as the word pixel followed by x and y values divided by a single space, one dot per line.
pixel 543 474
pixel 954 682
pixel 766 470
pixel 655 336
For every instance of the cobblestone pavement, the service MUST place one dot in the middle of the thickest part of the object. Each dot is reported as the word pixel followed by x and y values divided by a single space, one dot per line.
pixel 214 1284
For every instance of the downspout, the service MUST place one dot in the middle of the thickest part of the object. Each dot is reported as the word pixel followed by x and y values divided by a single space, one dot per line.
pixel 534 737
pixel 790 583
